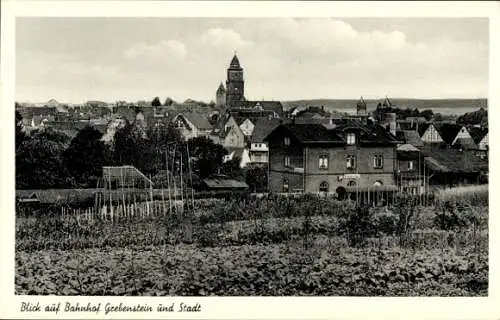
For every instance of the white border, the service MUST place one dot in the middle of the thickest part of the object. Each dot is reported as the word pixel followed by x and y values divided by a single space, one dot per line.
pixel 248 308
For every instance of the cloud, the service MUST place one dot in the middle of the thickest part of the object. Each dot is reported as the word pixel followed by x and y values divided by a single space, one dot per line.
pixel 163 49
pixel 283 58
pixel 226 38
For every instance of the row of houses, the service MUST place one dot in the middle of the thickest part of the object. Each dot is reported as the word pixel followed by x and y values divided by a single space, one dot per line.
pixel 349 155
pixel 313 150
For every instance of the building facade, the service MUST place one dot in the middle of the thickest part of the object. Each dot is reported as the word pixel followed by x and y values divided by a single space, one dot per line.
pixel 312 158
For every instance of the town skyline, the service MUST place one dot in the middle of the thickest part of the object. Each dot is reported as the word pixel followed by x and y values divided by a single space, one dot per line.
pixel 301 59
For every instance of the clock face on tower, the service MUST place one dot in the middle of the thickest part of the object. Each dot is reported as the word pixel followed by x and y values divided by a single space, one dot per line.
pixel 236 75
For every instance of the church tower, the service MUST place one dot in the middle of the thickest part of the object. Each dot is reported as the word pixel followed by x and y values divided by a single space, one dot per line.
pixel 220 96
pixel 361 107
pixel 235 85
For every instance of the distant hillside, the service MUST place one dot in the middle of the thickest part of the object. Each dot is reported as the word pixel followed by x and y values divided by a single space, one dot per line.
pixel 458 106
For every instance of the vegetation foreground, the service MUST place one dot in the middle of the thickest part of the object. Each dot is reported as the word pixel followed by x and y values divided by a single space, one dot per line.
pixel 274 246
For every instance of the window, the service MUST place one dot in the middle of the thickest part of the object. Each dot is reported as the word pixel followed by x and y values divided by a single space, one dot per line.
pixel 351 138
pixel 378 162
pixel 285 185
pixel 323 162
pixel 287 161
pixel 351 162
pixel 323 186
pixel 351 183
pixel 410 165
pixel 287 141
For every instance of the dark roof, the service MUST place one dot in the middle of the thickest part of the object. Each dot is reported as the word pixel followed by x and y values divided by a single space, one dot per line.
pixel 448 131
pixel 451 160
pixel 220 127
pixel 312 120
pixel 477 134
pixel 263 128
pixel 466 143
pixel 334 132
pixel 422 128
pixel 199 120
pixel 259 106
pixel 361 105
pixel 309 133
pixel 221 88
pixel 409 137
pixel 235 63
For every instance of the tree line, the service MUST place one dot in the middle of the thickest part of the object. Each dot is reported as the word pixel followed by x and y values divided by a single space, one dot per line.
pixel 47 159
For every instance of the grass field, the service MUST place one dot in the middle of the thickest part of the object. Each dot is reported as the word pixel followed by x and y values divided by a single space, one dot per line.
pixel 275 246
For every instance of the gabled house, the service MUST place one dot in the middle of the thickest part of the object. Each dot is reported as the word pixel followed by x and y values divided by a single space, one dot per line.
pixel 480 137
pixel 228 133
pixel 455 135
pixel 345 157
pixel 247 126
pixel 191 125
pixel 484 143
pixel 429 134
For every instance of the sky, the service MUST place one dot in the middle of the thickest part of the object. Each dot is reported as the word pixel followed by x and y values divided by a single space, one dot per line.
pixel 78 59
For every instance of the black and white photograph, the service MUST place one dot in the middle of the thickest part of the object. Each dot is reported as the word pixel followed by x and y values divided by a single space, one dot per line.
pixel 251 156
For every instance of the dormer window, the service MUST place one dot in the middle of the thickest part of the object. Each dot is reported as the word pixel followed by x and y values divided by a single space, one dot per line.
pixel 287 141
pixel 351 138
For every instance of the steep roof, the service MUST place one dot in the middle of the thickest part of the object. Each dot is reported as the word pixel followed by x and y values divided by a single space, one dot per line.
pixel 423 128
pixel 235 63
pixel 361 104
pixel 448 131
pixel 262 128
pixel 221 88
pixel 477 134
pixel 199 120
